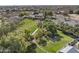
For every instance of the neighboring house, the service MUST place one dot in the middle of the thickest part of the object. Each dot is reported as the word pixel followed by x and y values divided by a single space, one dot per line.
pixel 51 17
pixel 70 49
pixel 39 16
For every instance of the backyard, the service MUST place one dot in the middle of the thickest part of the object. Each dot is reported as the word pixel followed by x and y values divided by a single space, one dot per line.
pixel 31 26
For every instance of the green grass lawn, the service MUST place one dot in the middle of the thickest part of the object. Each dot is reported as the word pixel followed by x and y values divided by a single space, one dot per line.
pixel 28 24
pixel 55 46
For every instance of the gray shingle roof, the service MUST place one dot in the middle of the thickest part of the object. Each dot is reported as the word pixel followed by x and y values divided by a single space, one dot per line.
pixel 69 49
pixel 73 50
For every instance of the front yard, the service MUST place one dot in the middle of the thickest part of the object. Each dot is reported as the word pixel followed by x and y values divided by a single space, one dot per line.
pixel 55 46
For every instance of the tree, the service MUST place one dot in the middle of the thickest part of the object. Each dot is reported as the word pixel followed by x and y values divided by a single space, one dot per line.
pixel 50 26
pixel 22 14
pixel 42 42
pixel 40 24
pixel 70 11
pixel 13 45
pixel 50 13
pixel 28 36
pixel 77 12
pixel 31 48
